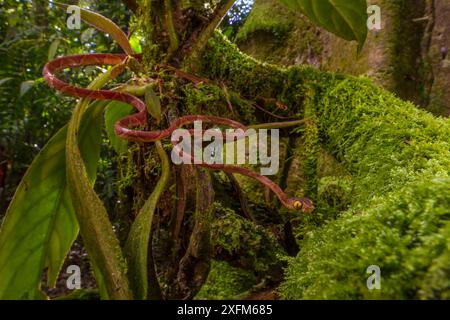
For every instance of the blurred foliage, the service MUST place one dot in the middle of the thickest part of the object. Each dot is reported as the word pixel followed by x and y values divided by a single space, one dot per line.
pixel 31 34
pixel 236 17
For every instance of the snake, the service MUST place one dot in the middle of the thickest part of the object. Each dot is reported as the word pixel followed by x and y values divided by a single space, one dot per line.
pixel 125 128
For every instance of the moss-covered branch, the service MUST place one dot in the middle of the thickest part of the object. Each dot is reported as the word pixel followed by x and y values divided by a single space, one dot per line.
pixel 399 160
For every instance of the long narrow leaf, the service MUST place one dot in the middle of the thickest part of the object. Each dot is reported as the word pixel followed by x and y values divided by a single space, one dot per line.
pixel 96 229
pixel 90 144
pixel 53 49
pixel 105 25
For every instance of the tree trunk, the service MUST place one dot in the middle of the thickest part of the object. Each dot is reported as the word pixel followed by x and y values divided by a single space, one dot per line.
pixel 407 56
pixel 176 33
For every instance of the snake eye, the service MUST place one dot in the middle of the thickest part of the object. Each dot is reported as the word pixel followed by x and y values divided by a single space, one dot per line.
pixel 298 205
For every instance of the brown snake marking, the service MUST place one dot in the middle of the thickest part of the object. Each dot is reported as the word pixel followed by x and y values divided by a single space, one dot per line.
pixel 124 127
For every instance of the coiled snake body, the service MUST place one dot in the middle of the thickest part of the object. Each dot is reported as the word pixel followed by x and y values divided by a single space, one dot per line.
pixel 124 127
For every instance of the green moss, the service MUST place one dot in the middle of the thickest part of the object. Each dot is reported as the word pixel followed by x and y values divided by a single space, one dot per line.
pixel 310 149
pixel 244 243
pixel 222 60
pixel 205 99
pixel 333 198
pixel 210 99
pixel 404 234
pixel 251 78
pixel 269 16
pixel 383 142
pixel 226 282
pixel 400 206
pixel 127 170
pixel 334 195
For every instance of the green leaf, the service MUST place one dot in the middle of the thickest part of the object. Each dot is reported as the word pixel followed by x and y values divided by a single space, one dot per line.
pixel 135 44
pixel 115 111
pixel 345 18
pixel 40 225
pixel 153 103
pixel 53 49
pixel 99 238
pixel 25 87
pixel 105 25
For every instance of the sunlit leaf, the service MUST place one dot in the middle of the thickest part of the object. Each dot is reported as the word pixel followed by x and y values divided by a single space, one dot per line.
pixel 345 18
pixel 153 103
pixel 105 25
pixel 40 224
pixel 53 49
pixel 115 111
pixel 25 87
pixel 135 44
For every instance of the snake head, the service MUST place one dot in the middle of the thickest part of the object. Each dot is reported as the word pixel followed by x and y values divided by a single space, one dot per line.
pixel 301 204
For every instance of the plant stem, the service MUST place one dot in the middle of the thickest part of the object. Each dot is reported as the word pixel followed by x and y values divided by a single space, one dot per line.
pixel 170 27
pixel 136 247
pixel 278 125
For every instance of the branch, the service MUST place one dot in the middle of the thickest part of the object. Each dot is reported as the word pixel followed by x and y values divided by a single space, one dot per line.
pixel 198 41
